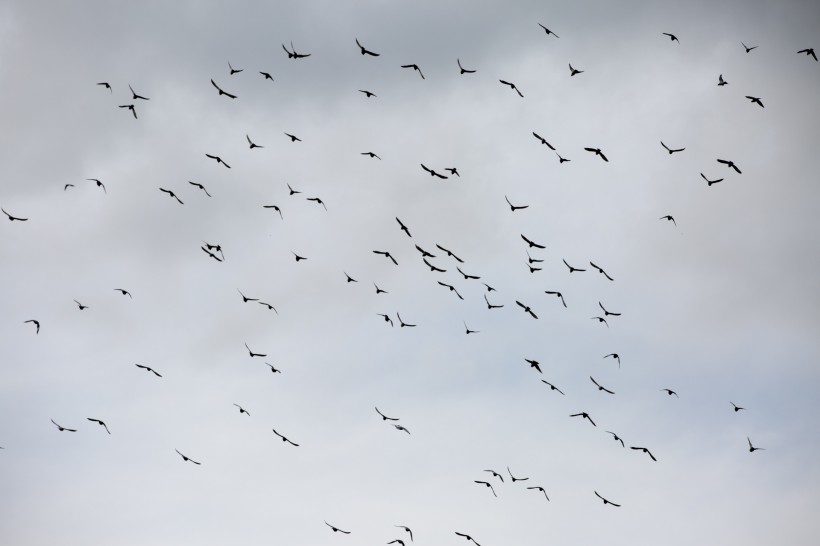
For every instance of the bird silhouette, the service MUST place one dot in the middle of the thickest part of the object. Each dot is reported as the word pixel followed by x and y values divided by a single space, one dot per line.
pixel 252 353
pixel 672 37
pixel 548 31
pixel 645 451
pixel 532 244
pixel 106 85
pixel 452 289
pixel 218 160
pixel 600 388
pixel 371 154
pixel 670 392
pixel 526 309
pixel 267 75
pixel 736 407
pixel 98 183
pixel 450 254
pixel 414 67
pixel 462 69
pixel 534 364
pixel 601 271
pixel 406 529
pixel 99 422
pixel 402 323
pixel 468 537
pixel 605 501
pixel 317 200
pixel 234 70
pixel 399 427
pixel 186 458
pixel 379 290
pixel 671 150
pixel 403 227
pixel 598 152
pixel 617 438
pixel 386 255
pixel 292 191
pixel 600 319
pixel 721 81
pixel 365 51
pixel 729 164
pixel 747 48
pixel 293 138
pixel 246 299
pixel 755 100
pixel 386 318
pixel 668 218
pixel 285 439
pixel 211 254
pixel 752 448
pixel 433 173
pixel 468 331
pixel 558 294
pixel 269 306
pixel 584 415
pixel 367 93
pixel 134 95
pixel 148 369
pixel 608 313
pixel 489 288
pixel 572 269
pixel 551 386
pixel 513 478
pixel 252 144
pixel 488 484
pixel 496 475
pixel 276 208
pixel 541 489
pixel 614 356
pixel 561 159
pixel 221 92
pixel 63 429
pixel 273 369
pixel 490 305
pixel 172 194
pixel 336 529
pixel 293 54
pixel 466 276
pixel 808 51
pixel 574 72
pixel 80 305
pixel 242 410
pixel 513 87
pixel 67 186
pixel 398 541
pixel 424 253
pixel 35 322
pixel 297 257
pixel 543 141
pixel 200 186
pixel 453 171
pixel 130 107
pixel 514 208
pixel 710 182
pixel 349 278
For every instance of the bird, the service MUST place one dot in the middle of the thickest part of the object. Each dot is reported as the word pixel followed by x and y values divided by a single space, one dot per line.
pixel 242 410
pixel 218 160
pixel 671 150
pixel 468 331
pixel 266 75
pixel 406 529
pixel 584 415
pixel 234 70
pixel 221 92
pixel 534 269
pixel 598 152
pixel 747 48
pixel 601 271
pixel 386 255
pixel 292 191
pixel 80 305
pixel 367 93
pixel 102 424
pixel 336 529
pixel 615 356
pixel 450 254
pixel 285 439
pixel 600 388
pixel 106 85
pixel 672 37
pixel 433 173
pixel 513 87
pixel 489 288
pixel 172 194
pixel 669 218
pixel 148 369
pixel 63 429
pixel 605 501
pixel 269 306
pixel 386 318
pixel 468 537
pixel 710 182
pixel 402 323
pixel 539 488
pixel 808 51
pixel 670 392
pixel 607 313
pixel 548 31
pixel 130 107
pixel 495 475
pixel 211 254
pixel 755 100
pixel 252 353
pixel 532 244
pixel 67 186
pixel 490 305
pixel 200 186
pixel 424 253
pixel 366 51
pixel 245 298
pixel 736 407
pixel 293 54
pixel 453 171
pixel 35 322
pixel 645 451
pixel 317 200
pixel 13 218
pixel 514 208
pixel 399 427
pixel 561 159
pixel 513 478
pixel 526 309
pixel 721 81
pixel 729 164
pixel 252 144
pixel 574 71
pixel 466 276
pixel 543 141
pixel 752 448
pixel 488 484
pixel 217 248
pixel 462 69
pixel 272 368
pixel 134 95
pixel 276 208
pixel 371 154
pixel 572 269
pixel 186 458
pixel 397 541
pixel 617 438
pixel 534 364
pixel 379 290
pixel 561 296
pixel 452 289
pixel 293 138
pixel 403 227
pixel 600 319
pixel 551 386
pixel 98 183
pixel 414 67
pixel 349 278
pixel 297 257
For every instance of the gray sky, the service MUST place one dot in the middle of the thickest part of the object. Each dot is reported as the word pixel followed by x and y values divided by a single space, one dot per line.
pixel 720 307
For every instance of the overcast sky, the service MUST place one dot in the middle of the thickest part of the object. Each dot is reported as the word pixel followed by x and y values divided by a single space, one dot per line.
pixel 720 306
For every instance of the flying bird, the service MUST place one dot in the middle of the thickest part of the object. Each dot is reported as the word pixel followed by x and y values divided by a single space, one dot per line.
pixel 601 271
pixel 130 107
pixel 172 194
pixel 551 386
pixel 452 289
pixel 367 93
pixel 598 152
pixel 561 296
pixel 386 255
pixel 242 410
pixel 513 87
pixel 186 458
pixel 414 67
pixel 403 227
pixel 200 186
pixel 406 529
pixel 490 305
pixel 433 173
pixel 614 356
pixel 269 306
pixel 729 164
pixel 211 254
pixel 276 208
pixel 317 200
pixel 808 51
pixel 600 319
pixel 297 257
pixel 514 208
pixel 80 305
pixel 218 160
pixel 379 290
pixel 496 475
pixel 573 71
pixel 466 276
pixel 106 85
pixel 468 331
pixel 293 54
pixel 336 529
pixel 605 501
pixel 572 269
pixel 669 218
pixel 617 438
pixel 285 439
pixel 543 141
pixel 35 322
pixel 67 186
pixel 513 478
pixel 532 244
pixel 710 182
pixel 102 424
pixel 600 388
pixel 468 537
pixel 747 48
pixel 63 429
pixel 489 288
pixel 607 313
pixel 736 407
pixel 398 541
pixel 548 31
pixel 462 69
pixel 349 278
pixel 246 299
pixel 584 415
pixel 252 353
pixel 561 159
pixel 539 488
pixel 221 92
pixel 752 448
pixel 267 75
pixel 450 254
pixel 134 96
pixel 98 183
pixel 399 427
pixel 234 70
pixel 292 191
pixel 386 318
pixel 293 138
pixel 272 368
pixel 670 392
pixel 534 364
pixel 755 100
pixel 402 323
pixel 721 81
pixel 365 51
pixel 252 144
pixel 526 309
pixel 671 150
pixel 672 37
pixel 645 451
pixel 453 171
pixel 488 484
pixel 148 369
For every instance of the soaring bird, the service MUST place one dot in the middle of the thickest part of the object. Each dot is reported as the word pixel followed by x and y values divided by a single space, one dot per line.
pixel 513 87
pixel 462 69
pixel 468 537
pixel 710 182
pixel 186 458
pixel 554 293
pixel 532 244
pixel 80 305
pixel 747 48
pixel 752 448
pixel 598 152
pixel 736 407
pixel 414 67
pixel 551 386
pixel 317 200
pixel 600 388
pixel 584 415
pixel 574 71
pixel 605 501
pixel 513 478
pixel 453 171
pixel 489 288
pixel 721 81
pixel 600 319
pixel 35 322
pixel 130 107
pixel 543 141
pixel 252 144
pixel 572 269
pixel 367 93
pixel 452 289
pixel 495 475
pixel 433 173
pixel 365 51
pixel 406 529
pixel 293 54
pixel 399 427
pixel 669 218
pixel 148 369
pixel 106 85
pixel 755 100
pixel 267 75
pixel 526 309
pixel 242 410
pixel 450 254
pixel 63 429
pixel 672 37
pixel 273 369
pixel 221 92
pixel 601 271
pixel 386 255
pixel 432 267
pixel 336 529
pixel 561 159
pixel 614 356
pixel 297 257
pixel 102 424
pixel 488 484
pixel 292 191
pixel 548 31
pixel 645 451
pixel 534 364
pixel 466 276
pixel 269 306
pixel 490 305
pixel 217 159
pixel 245 298
pixel 98 183
pixel 532 260
pixel 172 194
pixel 539 488
pixel 252 353
pixel 134 96
pixel 200 186
pixel 670 392
pixel 386 318
pixel 349 278
pixel 403 227
pixel 379 290
pixel 402 323
pixel 234 70
pixel 293 138
pixel 671 150
pixel 617 438
pixel 808 51
pixel 608 313
pixel 514 208
pixel 211 254
pixel 276 208
pixel 285 439
pixel 729 164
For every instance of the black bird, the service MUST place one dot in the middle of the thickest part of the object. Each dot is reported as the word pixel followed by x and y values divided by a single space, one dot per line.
pixel 398 541
pixel 386 318
pixel 513 87
pixel 729 164
pixel 386 255
pixel 102 424
pixel 453 171
pixel 548 31
pixel 600 388
pixel 172 194
pixel 721 81
pixel 294 54
pixel 572 269
pixel 747 48
pixel 365 51
pixel 539 488
pixel 617 438
pixel 468 537
pixel 670 392
pixel 234 70
pixel 534 364
pixel 710 182
pixel 245 298
pixel 63 429
pixel 514 479
pixel 148 369
pixel 276 208
pixel 297 257
pixel 462 69
pixel 561 296
pixel 526 309
pixel 403 324
pixel 645 451
pixel 99 184
pixel 217 159
pixel 598 152
pixel 551 386
pixel 349 278
pixel 293 138
pixel 671 150
pixel 584 415
pixel 532 244
pixel 367 93
pixel 130 107
pixel 433 173
pixel 669 218
pixel 466 276
pixel 489 288
pixel 317 200
pixel 496 475
pixel 808 51
pixel 80 305
pixel 242 410
pixel 614 356
pixel 600 319
pixel 200 186
pixel 269 306
pixel 424 253
pixel 273 369
pixel 403 227
pixel 491 306
pixel 35 322
pixel 450 254
pixel 534 269
pixel 185 458
pixel 543 141
pixel 251 143
pixel 737 408
pixel 672 37
pixel 267 75
pixel 414 67
pixel 605 501
pixel 292 191
pixel 601 271
pixel 106 85
pixel 252 353
pixel 755 100
pixel 607 313
pixel 561 159
pixel 468 331
pixel 514 208
pixel 406 529
pixel 285 439
pixel 221 92
pixel 452 289
pixel 752 448
pixel 399 427
pixel 134 96
pixel 211 254
pixel 336 529
pixel 379 290
pixel 371 154
pixel 573 71
pixel 67 186
pixel 488 485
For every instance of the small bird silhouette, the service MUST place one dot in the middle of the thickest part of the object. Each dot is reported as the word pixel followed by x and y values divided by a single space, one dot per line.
pixel 200 186
pixel 496 475
pixel 468 537
pixel 285 439
pixel 252 353
pixel 543 141
pixel 267 75
pixel 488 484
pixel 148 369
pixel 671 150
pixel 736 407
pixel 513 478
pixel 134 96
pixel 808 51
pixel 297 257
pixel 539 488
pixel 13 218
pixel 669 218
pixel 35 322
pixel 752 448
pixel 218 160
pixel 293 138
pixel 600 388
pixel 386 255
pixel 452 289
pixel 551 386
pixel 462 69
pixel 534 364
pixel 402 323
pixel 721 81
pixel 584 415
pixel 386 318
pixel 560 296
pixel 221 92
pixel 572 269
pixel 102 424
pixel 748 48
pixel 615 356
pixel 80 305
pixel 490 305
pixel 414 67
pixel 605 501
pixel 367 93
pixel 645 451
pixel 574 71
pixel 710 182
pixel 172 194
pixel 755 100
pixel 130 107
pixel 670 392
pixel 513 87
pixel 514 208
pixel 450 254
pixel 106 85
pixel 601 271
pixel 672 37
pixel 548 31
pixel 526 309
pixel 598 152
pixel 336 529
pixel 252 144
pixel 433 173
pixel 63 429
pixel 608 313
pixel 403 227
pixel 365 51
pixel 293 54
pixel 729 164
pixel 186 458
pixel 406 529
pixel 242 410
pixel 617 438
pixel 532 244
pixel 399 427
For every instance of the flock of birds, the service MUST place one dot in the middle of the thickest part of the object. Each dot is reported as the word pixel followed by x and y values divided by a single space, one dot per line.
pixel 440 261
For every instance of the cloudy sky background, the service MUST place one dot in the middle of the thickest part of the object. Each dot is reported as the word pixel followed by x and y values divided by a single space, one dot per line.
pixel 721 307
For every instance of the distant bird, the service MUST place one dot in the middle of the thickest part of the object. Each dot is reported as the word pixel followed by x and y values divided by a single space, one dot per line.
pixel 399 427
pixel 398 541
pixel 755 100
pixel 252 144
pixel 543 141
pixel 548 31
pixel 496 475
pixel 200 186
pixel 293 54
pixel 63 429
pixel 452 289
pixel 808 51
pixel 513 87
pixel 747 48
pixel 468 537
pixel 403 324
pixel 489 288
pixel 600 319
pixel 276 208
pixel 737 408
pixel 234 70
pixel 242 410
pixel 102 424
pixel 450 254
pixel 292 191
pixel 752 448
pixel 221 92
pixel 403 227
pixel 414 67
pixel 729 164
pixel 462 69
pixel 349 278
pixel 526 309
pixel 98 183
pixel 246 299
pixel 671 150
pixel 560 296
pixel 365 51
pixel 336 529
pixel 466 276
pixel 67 186
pixel 80 305
pixel 130 107
pixel 721 81
pixel 601 271
pixel 468 331
pixel 186 458
pixel 572 269
pixel 672 37
pixel 561 159
pixel 534 364
pixel 285 439
pixel 35 322
pixel 453 171
pixel 574 71
pixel 710 182
pixel 605 501
pixel 293 138
pixel 513 478
pixel 514 208
pixel 600 388
pixel 406 529
pixel 252 353
pixel 386 318
pixel 386 255
pixel 539 488
pixel 488 484
pixel 172 194
pixel 584 415
pixel 371 154
pixel 106 85
pixel 367 93
pixel 433 173
pixel 614 356
pixel 490 305
pixel 297 257
pixel 532 244
pixel 534 269
pixel 551 386
pixel 608 313
pixel 211 254
pixel 668 218
pixel 645 451
pixel 218 160
pixel 424 253
pixel 273 369
pixel 134 96
pixel 670 392
pixel 269 306
pixel 267 75
pixel 617 438
pixel 317 200
pixel 148 369
pixel 379 290
pixel 598 152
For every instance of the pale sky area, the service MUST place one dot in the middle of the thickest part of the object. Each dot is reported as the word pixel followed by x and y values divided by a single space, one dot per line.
pixel 720 306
